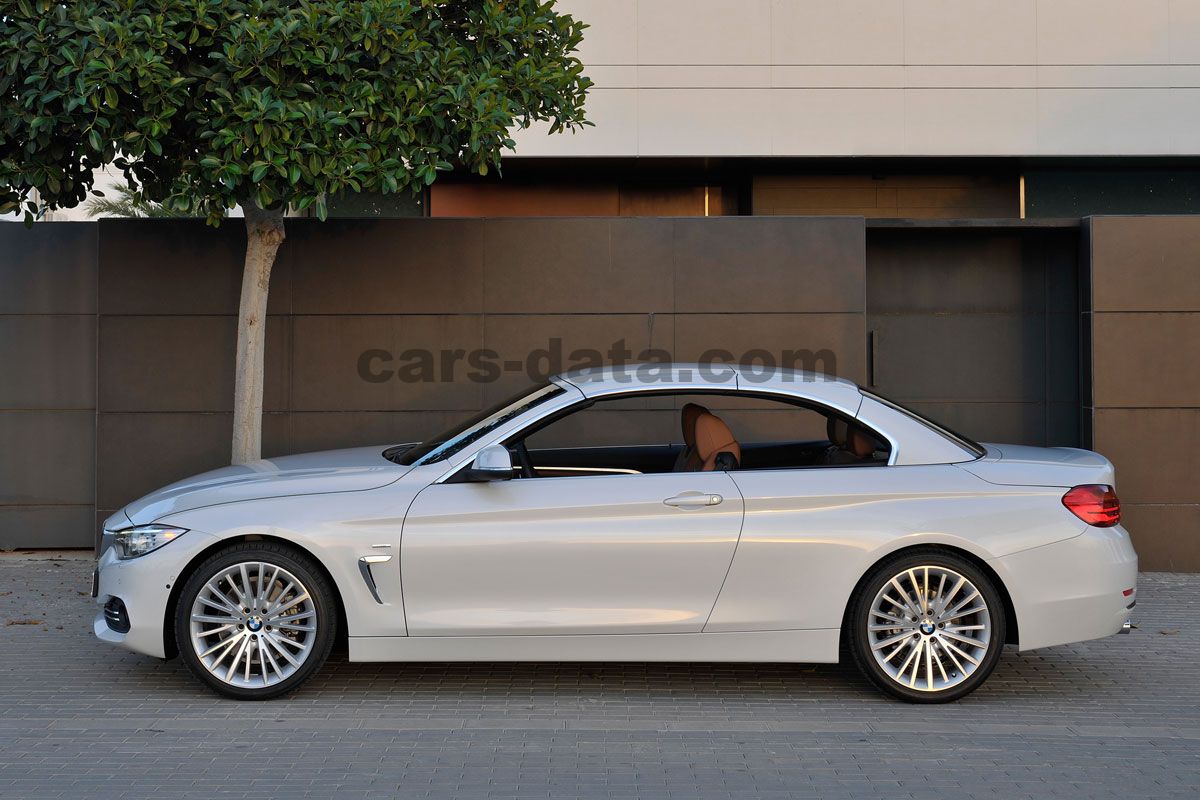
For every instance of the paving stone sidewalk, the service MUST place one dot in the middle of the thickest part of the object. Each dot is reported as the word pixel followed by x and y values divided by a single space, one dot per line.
pixel 1117 718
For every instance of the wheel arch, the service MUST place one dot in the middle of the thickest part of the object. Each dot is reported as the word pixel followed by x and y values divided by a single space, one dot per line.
pixel 1011 632
pixel 170 647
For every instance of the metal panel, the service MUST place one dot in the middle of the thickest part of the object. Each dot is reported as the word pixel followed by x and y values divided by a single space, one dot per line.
pixel 48 269
pixel 1145 343
pixel 47 384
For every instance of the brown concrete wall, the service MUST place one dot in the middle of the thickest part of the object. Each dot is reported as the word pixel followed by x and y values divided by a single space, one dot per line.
pixel 47 383
pixel 116 340
pixel 1145 404
pixel 169 292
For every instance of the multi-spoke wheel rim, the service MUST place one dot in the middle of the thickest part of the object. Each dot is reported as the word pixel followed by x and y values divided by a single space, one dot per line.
pixel 253 624
pixel 929 628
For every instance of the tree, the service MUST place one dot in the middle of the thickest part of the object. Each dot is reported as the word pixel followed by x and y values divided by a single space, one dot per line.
pixel 128 203
pixel 270 104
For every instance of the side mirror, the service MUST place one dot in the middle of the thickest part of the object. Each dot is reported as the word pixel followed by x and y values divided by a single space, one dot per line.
pixel 725 461
pixel 492 463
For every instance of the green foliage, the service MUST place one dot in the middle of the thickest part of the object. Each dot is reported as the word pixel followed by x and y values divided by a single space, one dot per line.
pixel 204 104
pixel 128 202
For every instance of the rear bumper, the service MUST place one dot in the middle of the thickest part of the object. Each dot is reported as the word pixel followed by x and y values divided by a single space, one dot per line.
pixel 1073 590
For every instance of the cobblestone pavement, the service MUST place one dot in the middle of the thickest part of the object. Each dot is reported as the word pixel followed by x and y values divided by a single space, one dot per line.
pixel 1117 718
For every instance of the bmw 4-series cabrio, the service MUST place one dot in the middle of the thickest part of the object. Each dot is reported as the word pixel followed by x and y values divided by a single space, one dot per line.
pixel 651 513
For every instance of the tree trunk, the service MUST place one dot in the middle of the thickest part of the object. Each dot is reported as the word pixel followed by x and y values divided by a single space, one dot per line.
pixel 264 234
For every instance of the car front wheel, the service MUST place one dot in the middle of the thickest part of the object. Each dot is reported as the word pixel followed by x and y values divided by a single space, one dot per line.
pixel 927 627
pixel 255 620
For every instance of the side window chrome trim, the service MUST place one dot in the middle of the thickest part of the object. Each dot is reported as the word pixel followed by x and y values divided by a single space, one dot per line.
pixel 571 405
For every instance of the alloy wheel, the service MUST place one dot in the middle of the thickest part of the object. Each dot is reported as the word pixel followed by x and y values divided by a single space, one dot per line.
pixel 929 628
pixel 253 624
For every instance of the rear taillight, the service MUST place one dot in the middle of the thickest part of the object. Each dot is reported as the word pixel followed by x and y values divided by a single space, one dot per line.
pixel 1094 503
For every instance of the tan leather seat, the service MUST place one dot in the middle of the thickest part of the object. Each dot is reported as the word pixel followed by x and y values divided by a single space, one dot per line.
pixel 713 438
pixel 687 460
pixel 849 442
pixel 836 429
pixel 860 443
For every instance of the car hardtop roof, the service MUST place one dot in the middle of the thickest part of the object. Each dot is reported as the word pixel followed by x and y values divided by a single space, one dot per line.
pixel 691 376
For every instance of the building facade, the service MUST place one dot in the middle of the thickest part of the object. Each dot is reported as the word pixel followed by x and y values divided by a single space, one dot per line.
pixel 983 209
pixel 913 78
pixel 884 108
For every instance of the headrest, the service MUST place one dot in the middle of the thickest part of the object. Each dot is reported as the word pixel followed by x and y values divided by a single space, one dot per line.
pixel 861 443
pixel 688 416
pixel 836 430
pixel 712 438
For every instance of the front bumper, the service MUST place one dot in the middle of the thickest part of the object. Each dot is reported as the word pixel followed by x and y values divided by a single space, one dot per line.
pixel 143 585
pixel 1073 590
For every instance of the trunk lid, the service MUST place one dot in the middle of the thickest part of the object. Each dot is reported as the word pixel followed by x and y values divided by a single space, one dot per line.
pixel 1021 465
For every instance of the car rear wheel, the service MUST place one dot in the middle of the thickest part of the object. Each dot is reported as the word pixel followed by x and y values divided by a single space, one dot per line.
pixel 927 626
pixel 255 620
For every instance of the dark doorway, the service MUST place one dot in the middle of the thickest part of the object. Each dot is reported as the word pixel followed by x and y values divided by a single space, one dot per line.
pixel 979 327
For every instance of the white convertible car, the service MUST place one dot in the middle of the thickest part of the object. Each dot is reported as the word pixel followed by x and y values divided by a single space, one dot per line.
pixel 652 513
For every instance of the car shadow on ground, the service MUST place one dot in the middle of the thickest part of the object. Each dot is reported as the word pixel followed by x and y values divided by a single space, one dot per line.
pixel 557 684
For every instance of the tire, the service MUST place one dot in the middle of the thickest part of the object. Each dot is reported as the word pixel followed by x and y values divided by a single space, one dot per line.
pixel 255 620
pixel 884 628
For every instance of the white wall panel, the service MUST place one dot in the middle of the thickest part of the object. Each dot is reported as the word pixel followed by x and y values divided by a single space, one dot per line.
pixel 970 31
pixel 970 121
pixel 702 76
pixel 886 77
pixel 838 122
pixel 704 122
pixel 1184 33
pixel 1108 76
pixel 1185 116
pixel 838 77
pixel 841 32
pixel 704 32
pixel 612 37
pixel 1105 121
pixel 1103 32
pixel 970 77
pixel 613 76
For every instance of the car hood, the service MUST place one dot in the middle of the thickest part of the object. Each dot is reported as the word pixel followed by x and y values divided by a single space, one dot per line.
pixel 352 470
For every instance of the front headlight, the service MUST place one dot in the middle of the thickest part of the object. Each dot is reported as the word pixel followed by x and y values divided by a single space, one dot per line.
pixel 141 539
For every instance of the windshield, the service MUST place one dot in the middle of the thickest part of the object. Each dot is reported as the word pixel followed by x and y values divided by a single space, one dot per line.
pixel 962 441
pixel 448 443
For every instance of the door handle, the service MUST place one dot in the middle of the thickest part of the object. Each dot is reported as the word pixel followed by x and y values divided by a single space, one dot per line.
pixel 693 500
